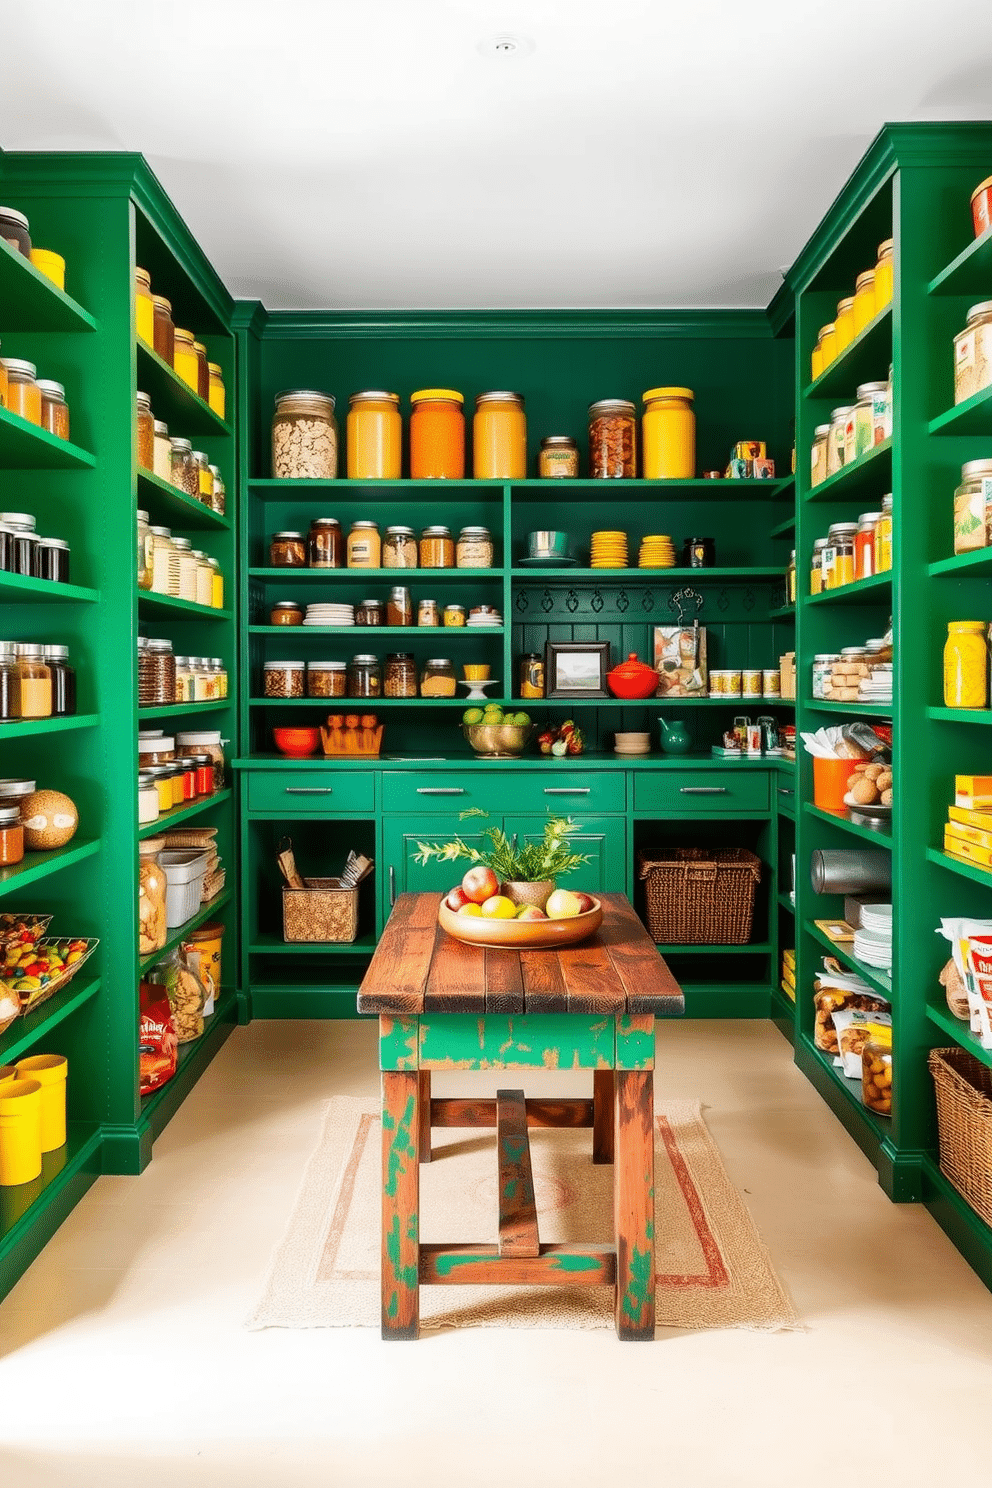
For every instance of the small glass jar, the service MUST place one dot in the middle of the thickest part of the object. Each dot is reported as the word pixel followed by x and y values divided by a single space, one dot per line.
pixel 204 578
pixel 499 437
pixel 816 566
pixel 364 545
pixel 54 408
pixel 144 307
pixel 790 579
pixel 15 230
pixel 828 344
pixel 10 682
pixel 23 392
pixel 437 434
pixel 207 741
pixel 288 550
pixel 374 436
pixel 205 681
pixel 972 507
pixel 162 560
pixel 204 774
pixel 186 766
pixel 844 570
pixel 52 560
pixel 438 679
pixel 35 681
pixel 160 777
pixel 612 439
pixel 285 679
pixel 286 612
pixel 163 330
pixel 325 543
pixel 437 548
pixel 11 837
pixel 883 537
pixel 161 664
pixel 370 612
pixel 216 584
pixel 400 677
pixel 185 692
pixel 327 679
pixel 966 660
pixel 145 422
pixel 532 675
pixel 148 802
pixel 220 672
pixel 304 436
pixel 364 677
pixel 474 548
pixel 454 615
pixel 204 480
pixel 428 614
pixel 183 473
pixel 22 540
pixel 399 548
pixel 218 494
pixel 558 458
pixel 216 392
pixel 816 360
pixel 161 451
pixel 176 783
pixel 822 666
pixel 864 545
pixel 184 362
pixel 399 606
pixel 844 324
pixel 864 300
pixel 883 275
pixel 202 372
pixel 818 455
pixel 187 569
pixel 837 438
pixel 56 658
pixel 876 1074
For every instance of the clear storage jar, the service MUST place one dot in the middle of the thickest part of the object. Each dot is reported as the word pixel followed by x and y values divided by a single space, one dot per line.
pixel 399 548
pixel 187 566
pixel 23 392
pixel 966 659
pixel 161 664
pixel 972 353
pixel 184 362
pixel 876 1075
pixel 284 679
pixel 837 438
pixel 35 681
pixel 163 561
pixel 883 537
pixel 152 929
pixel 973 507
pixel 148 804
pixel 10 682
pixel 818 455
pixel 162 451
pixel 438 680
pixel 399 606
pixel 364 677
pixel 183 472
pixel 474 548
pixel 612 439
pixel 864 300
pixel 52 560
pixel 816 566
pixel 216 392
pixel 204 578
pixel 54 408
pixel 558 458
pixel 327 679
pixel 204 480
pixel 499 437
pixel 437 434
pixel 400 676
pixel 207 741
pixel 437 548
pixel 374 436
pixel 304 436
pixel 145 430
pixel 864 545
pixel 218 493
pixel 288 550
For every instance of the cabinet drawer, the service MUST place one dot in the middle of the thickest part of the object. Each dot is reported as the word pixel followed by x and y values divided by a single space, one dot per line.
pixel 701 792
pixel 504 791
pixel 310 792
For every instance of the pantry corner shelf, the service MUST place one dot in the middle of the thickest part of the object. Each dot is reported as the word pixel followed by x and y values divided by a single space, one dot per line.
pixel 450 632
pixel 177 936
pixel 784 529
pixel 870 710
pixel 164 604
pixel 961 715
pixel 166 820
pixel 23 446
pixel 32 302
pixel 963 564
pixel 174 400
pixel 872 974
pixel 865 359
pixel 973 416
pixel 839 819
pixel 38 865
pixel 360 575
pixel 28 1030
pixel 968 274
pixel 871 472
pixel 191 711
pixel 27 728
pixel 851 593
pixel 182 510
pixel 16 589
pixel 959 1031
pixel 960 866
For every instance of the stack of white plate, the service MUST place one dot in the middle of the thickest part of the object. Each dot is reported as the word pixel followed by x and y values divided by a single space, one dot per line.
pixel 632 743
pixel 484 617
pixel 877 688
pixel 873 941
pixel 330 614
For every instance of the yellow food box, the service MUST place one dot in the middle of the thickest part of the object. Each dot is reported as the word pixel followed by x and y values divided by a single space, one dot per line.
pixel 789 957
pixel 790 992
pixel 968 834
pixel 980 819
pixel 970 851
pixel 973 792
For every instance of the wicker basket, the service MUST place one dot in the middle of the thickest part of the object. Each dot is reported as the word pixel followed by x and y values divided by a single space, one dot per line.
pixel 964 1122
pixel 323 911
pixel 696 896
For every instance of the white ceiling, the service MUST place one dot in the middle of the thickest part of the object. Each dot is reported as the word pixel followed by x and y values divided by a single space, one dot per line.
pixel 368 155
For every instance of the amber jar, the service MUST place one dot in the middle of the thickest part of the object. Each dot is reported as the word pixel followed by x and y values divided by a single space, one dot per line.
pixel 612 439
pixel 370 612
pixel 437 435
pixel 202 371
pixel 325 543
pixel 164 329
pixel 23 392
pixel 288 550
pixel 184 362
pixel 400 680
pixel 437 548
pixel 54 408
pixel 146 431
pixel 499 437
pixel 364 677
pixel 399 548
pixel 399 608
pixel 11 837
pixel 558 458
pixel 286 612
pixel 327 679
pixel 364 545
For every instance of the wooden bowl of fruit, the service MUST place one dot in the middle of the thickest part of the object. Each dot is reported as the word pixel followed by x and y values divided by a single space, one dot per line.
pixel 479 914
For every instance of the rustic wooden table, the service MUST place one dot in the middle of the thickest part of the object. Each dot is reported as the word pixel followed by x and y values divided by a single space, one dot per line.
pixel 444 1005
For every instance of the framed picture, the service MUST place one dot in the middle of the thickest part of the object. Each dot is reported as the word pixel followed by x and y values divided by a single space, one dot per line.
pixel 680 660
pixel 576 669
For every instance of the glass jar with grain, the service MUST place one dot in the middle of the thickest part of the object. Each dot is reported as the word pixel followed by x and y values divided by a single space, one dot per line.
pixel 558 458
pixel 399 607
pixel 612 439
pixel 499 437
pixel 145 420
pixel 183 472
pixel 364 676
pixel 437 434
pixel 474 548
pixel 374 436
pixel 304 436
pixel 325 543
pixel 399 548
pixel 35 681
pixel 288 550
pixel 437 548
pixel 23 392
pixel 284 679
pixel 400 679
pixel 163 328
pixel 364 545
pixel 438 680
pixel 326 679
pixel 144 308
pixel 162 455
pixel 54 408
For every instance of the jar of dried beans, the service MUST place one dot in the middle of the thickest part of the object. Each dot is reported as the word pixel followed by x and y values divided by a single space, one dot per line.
pixel 304 436
pixel 326 679
pixel 401 675
pixel 184 474
pixel 612 439
pixel 284 679
pixel 437 548
pixel 558 458
pixel 399 548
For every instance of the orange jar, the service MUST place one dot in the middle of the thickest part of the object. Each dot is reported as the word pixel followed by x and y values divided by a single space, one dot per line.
pixel 375 436
pixel 499 437
pixel 437 435
pixel 23 392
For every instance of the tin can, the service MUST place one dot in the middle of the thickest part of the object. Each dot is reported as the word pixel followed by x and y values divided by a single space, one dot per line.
pixel 532 675
pixel 732 684
pixel 751 682
pixel 771 682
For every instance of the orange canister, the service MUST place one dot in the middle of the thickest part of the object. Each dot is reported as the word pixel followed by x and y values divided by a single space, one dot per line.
pixel 374 436
pixel 437 435
pixel 499 437
pixel 49 1071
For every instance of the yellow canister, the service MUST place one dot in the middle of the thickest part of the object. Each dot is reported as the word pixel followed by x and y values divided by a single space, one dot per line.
pixel 374 436
pixel 218 397
pixel 499 437
pixel 864 300
pixel 184 358
pixel 816 361
pixel 52 265
pixel 669 434
pixel 844 324
pixel 966 658
pixel 828 344
pixel 20 1132
pixel 144 307
pixel 883 275
pixel 50 1072
pixel 206 942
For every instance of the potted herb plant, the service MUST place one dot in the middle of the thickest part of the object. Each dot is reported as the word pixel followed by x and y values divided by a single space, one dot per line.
pixel 525 874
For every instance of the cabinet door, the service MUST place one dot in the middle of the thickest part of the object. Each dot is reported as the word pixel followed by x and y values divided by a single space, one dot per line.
pixel 603 838
pixel 400 835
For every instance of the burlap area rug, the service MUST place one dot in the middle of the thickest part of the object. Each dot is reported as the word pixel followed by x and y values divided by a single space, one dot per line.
pixel 713 1271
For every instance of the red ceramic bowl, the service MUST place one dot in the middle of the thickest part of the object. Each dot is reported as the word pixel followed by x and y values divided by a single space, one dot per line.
pixel 632 679
pixel 297 742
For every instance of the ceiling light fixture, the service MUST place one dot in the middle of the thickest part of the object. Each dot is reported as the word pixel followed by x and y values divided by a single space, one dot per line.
pixel 502 48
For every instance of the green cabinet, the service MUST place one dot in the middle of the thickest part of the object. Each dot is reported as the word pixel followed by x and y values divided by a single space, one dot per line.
pixel 603 839
pixel 400 874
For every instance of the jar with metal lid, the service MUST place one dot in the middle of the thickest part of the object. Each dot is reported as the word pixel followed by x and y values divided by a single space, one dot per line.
pixel 427 613
pixel 163 561
pixel 11 836
pixel 160 777
pixel 668 431
pixel 15 230
pixel 532 675
pixel 202 371
pixel 876 1072
pixel 161 674
pixel 327 679
pixel 204 480
pixel 869 418
pixel 184 362
pixel 374 436
pixel 285 679
pixel 864 545
pixel 838 555
pixel 6 549
pixel 454 615
pixel 204 774
pixel 966 661
pixel 145 425
pixel 883 275
pixel 864 300
pixel 400 677
pixel 148 805
pixel 973 507
pixel 828 344
pixel 558 458
pixel 187 569
pixel 304 436
pixel 221 673
pixel 52 559
pixel 216 392
pixel 364 545
pixel 818 455
pixel 822 663
pixel 10 682
pixel 162 328
pixel 883 537
pixel 288 550
pixel 218 494
pixel 206 741
pixel 437 434
pixel 144 308
pixel 325 543
pixel 36 681
pixel 161 451
pixel 837 438
pixel 438 678
pixel 399 606
pixel 370 612
pixel 972 353
pixel 499 437
pixel 54 408
pixel 204 578
pixel 183 472
pixel 844 323
pixel 205 680
pixel 23 542
pixel 474 548
pixel 612 439
pixel 186 765
pixel 286 612
pixel 23 392
pixel 364 677
pixel 437 548
pixel 399 548
pixel 816 566
pixel 184 680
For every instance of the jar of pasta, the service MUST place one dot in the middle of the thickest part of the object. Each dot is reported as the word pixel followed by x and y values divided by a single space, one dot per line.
pixel 612 439
pixel 364 545
pixel 437 548
pixel 161 451
pixel 844 324
pixel 499 437
pixel 54 408
pixel 145 431
pixel 325 543
pixel 216 393
pixel 144 309
pixel 883 275
pixel 668 430
pixel 184 362
pixel 374 436
pixel 304 436
pixel 163 329
pixel 966 659
pixel 864 300
pixel 818 455
pixel 474 548
pixel 972 353
pixel 23 392
pixel 399 548
pixel 184 474
pixel 437 435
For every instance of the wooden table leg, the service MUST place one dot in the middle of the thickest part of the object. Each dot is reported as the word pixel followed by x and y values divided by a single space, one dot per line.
pixel 400 1204
pixel 633 1204
pixel 603 1095
pixel 425 1116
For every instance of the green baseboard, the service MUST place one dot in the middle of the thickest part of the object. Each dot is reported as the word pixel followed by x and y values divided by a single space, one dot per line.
pixel 30 1213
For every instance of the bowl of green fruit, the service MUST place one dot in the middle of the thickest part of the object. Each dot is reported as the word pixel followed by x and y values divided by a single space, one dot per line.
pixel 495 732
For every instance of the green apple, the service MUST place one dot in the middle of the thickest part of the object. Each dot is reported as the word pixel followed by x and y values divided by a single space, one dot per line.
pixel 472 715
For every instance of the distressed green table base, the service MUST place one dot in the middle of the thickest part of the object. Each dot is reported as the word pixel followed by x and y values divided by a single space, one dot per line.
pixel 620 1051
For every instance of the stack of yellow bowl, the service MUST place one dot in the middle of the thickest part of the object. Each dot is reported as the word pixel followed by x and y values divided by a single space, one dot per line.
pixel 609 550
pixel 656 552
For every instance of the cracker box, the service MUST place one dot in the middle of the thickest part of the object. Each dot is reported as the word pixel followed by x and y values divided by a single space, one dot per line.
pixel 968 834
pixel 970 851
pixel 680 660
pixel 973 792
pixel 980 819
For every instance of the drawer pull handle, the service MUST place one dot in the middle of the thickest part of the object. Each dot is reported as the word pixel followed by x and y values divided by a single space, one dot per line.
pixel 567 790
pixel 392 885
pixel 703 790
pixel 309 790
pixel 784 791
pixel 440 790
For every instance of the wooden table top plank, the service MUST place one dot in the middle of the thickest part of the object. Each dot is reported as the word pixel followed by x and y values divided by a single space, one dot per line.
pixel 648 982
pixel 456 982
pixel 504 982
pixel 590 978
pixel 397 972
pixel 543 983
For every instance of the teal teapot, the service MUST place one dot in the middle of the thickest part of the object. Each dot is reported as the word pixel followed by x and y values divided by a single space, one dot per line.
pixel 674 736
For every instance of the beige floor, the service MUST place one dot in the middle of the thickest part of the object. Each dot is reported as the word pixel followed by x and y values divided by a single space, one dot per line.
pixel 124 1359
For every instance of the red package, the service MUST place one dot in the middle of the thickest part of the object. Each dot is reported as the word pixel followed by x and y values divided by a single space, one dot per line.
pixel 157 1043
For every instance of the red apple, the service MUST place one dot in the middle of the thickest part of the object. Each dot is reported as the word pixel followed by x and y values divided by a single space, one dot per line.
pixel 456 897
pixel 562 905
pixel 585 900
pixel 479 884
pixel 531 912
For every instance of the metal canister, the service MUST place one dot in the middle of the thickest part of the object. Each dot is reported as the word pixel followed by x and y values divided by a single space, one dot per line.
pixel 850 871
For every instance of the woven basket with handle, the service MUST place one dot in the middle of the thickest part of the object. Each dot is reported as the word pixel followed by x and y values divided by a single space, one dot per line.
pixel 964 1123
pixel 699 896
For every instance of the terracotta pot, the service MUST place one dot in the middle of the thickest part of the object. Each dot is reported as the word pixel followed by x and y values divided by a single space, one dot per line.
pixel 529 893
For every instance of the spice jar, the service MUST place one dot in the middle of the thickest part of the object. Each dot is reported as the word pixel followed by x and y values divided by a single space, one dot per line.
pixel 183 472
pixel 326 679
pixel 438 679
pixel 669 433
pixel 56 658
pixel 427 613
pixel 161 663
pixel 532 675
pixel 284 679
pixel 437 548
pixel 286 612
pixel 474 548
pixel 844 324
pixel 374 436
pixel 10 682
pixel 184 362
pixel 864 545
pixel 973 507
pixel 966 656
pixel 370 612
pixel 54 409
pixel 972 353
pixel 364 545
pixel 218 494
pixel 216 392
pixel 185 692
pixel 499 437
pixel 400 679
pixel 822 666
pixel 364 677
pixel 144 308
pixel 399 607
pixel 437 434
pixel 612 439
pixel 11 836
pixel 818 455
pixel 399 548
pixel 325 543
pixel 288 550
pixel 204 766
pixel 52 559
pixel 163 329
pixel 15 230
pixel 876 1072
pixel 22 542
pixel 883 537
pixel 161 451
pixel 204 578
pixel 816 566
pixel 209 742
pixel 558 458
pixel 864 300
pixel 35 681
pixel 837 438
pixel 304 436
pixel 23 392
pixel 454 615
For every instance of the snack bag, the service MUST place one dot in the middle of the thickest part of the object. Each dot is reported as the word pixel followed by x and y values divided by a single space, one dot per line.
pixel 186 995
pixel 855 1029
pixel 834 990
pixel 959 932
pixel 157 1046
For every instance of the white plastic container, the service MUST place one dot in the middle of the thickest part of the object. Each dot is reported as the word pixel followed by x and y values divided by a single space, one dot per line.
pixel 185 868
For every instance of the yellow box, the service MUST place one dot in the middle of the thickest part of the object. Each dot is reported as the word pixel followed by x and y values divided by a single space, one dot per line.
pixel 980 819
pixel 968 834
pixel 790 992
pixel 973 792
pixel 789 957
pixel 967 850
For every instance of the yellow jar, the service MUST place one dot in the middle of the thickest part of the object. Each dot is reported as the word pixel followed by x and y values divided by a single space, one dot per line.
pixel 828 344
pixel 218 397
pixel 144 309
pixel 883 537
pixel 864 300
pixel 883 275
pixel 669 433
pixel 184 358
pixel 844 324
pixel 816 361
pixel 966 658
pixel 52 265
pixel 216 585
pixel 499 437
pixel 374 436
